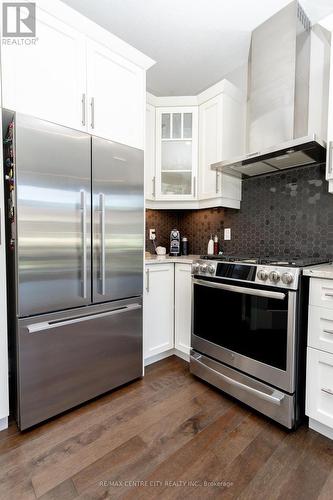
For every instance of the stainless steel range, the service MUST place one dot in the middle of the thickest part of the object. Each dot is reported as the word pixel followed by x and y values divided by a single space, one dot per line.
pixel 249 331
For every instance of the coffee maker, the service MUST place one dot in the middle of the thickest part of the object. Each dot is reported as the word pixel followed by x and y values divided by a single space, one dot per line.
pixel 175 243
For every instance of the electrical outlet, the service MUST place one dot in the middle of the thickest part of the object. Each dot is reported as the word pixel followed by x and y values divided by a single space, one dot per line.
pixel 227 234
pixel 152 234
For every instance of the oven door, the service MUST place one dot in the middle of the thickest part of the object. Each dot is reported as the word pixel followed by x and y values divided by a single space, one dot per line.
pixel 248 328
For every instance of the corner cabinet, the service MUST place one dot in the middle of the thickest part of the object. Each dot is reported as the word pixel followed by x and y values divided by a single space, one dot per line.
pixel 207 128
pixel 167 311
pixel 176 153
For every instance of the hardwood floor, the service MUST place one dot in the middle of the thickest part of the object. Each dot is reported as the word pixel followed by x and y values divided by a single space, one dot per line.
pixel 165 436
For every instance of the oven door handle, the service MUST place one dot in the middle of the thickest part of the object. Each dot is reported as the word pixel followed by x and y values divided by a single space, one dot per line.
pixel 276 397
pixel 241 289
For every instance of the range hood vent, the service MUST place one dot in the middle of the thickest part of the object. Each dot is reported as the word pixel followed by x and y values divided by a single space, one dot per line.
pixel 281 124
pixel 296 153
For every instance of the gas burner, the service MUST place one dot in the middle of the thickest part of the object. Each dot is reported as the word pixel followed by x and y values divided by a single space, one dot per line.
pixel 293 262
pixel 231 258
pixel 267 261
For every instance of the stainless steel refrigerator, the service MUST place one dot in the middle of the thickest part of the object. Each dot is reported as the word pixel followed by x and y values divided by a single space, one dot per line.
pixel 75 246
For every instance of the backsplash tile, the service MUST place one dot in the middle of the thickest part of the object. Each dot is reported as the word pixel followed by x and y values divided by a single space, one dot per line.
pixel 289 213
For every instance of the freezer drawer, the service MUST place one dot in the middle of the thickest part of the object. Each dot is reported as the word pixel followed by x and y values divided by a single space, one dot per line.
pixel 66 359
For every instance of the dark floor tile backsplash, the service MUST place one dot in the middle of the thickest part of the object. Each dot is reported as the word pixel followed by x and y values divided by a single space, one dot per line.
pixel 285 214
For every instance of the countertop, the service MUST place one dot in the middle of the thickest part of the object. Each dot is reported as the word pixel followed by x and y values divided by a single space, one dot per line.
pixel 160 259
pixel 319 271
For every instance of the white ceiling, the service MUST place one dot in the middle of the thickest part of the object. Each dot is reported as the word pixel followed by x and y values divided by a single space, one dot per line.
pixel 195 43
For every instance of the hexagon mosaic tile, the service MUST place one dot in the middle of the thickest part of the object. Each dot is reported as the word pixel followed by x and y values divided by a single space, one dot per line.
pixel 282 214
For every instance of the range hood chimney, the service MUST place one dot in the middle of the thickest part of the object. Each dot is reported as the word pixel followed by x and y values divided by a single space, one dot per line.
pixel 278 134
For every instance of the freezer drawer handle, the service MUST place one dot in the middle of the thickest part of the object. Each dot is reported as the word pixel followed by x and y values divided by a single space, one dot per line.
pixel 328 331
pixel 102 245
pixel 84 242
pixel 276 397
pixel 47 325
pixel 240 289
pixel 328 294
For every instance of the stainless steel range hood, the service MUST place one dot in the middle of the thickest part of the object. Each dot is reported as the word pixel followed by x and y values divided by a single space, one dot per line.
pixel 278 135
pixel 295 153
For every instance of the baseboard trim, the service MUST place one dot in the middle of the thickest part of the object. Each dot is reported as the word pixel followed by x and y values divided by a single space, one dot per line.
pixel 167 354
pixel 321 428
pixel 3 423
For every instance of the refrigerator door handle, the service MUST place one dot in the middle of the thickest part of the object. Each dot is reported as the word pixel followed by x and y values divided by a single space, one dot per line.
pixel 48 325
pixel 102 243
pixel 84 242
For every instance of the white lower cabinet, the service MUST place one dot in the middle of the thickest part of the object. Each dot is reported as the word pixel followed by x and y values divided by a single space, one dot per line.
pixel 158 309
pixel 319 370
pixel 319 397
pixel 167 311
pixel 183 307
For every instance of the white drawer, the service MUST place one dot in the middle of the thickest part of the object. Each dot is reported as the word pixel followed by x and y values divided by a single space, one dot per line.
pixel 320 328
pixel 319 386
pixel 321 293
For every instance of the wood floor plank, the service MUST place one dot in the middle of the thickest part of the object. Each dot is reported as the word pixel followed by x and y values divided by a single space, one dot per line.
pixel 52 447
pixel 280 467
pixel 44 449
pixel 181 460
pixel 169 430
pixel 312 471
pixel 165 439
pixel 166 435
pixel 84 453
pixel 64 491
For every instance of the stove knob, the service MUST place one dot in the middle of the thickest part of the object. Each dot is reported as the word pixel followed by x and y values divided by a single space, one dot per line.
pixel 274 276
pixel 195 268
pixel 262 274
pixel 211 269
pixel 203 268
pixel 287 278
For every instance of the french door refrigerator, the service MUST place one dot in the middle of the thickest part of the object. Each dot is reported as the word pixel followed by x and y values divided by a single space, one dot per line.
pixel 75 247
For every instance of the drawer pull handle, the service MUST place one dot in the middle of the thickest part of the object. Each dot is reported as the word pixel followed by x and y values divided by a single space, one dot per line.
pixel 329 294
pixel 327 391
pixel 328 331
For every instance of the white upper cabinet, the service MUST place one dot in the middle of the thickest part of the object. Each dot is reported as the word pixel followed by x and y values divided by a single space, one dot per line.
pixel 210 145
pixel 221 137
pixel 150 178
pixel 329 163
pixel 47 79
pixel 79 75
pixel 190 137
pixel 116 93
pixel 176 153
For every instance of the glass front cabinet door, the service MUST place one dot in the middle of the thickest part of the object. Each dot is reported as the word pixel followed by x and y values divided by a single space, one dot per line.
pixel 176 153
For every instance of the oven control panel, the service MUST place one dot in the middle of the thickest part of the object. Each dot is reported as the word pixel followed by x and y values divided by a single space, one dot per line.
pixel 276 276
